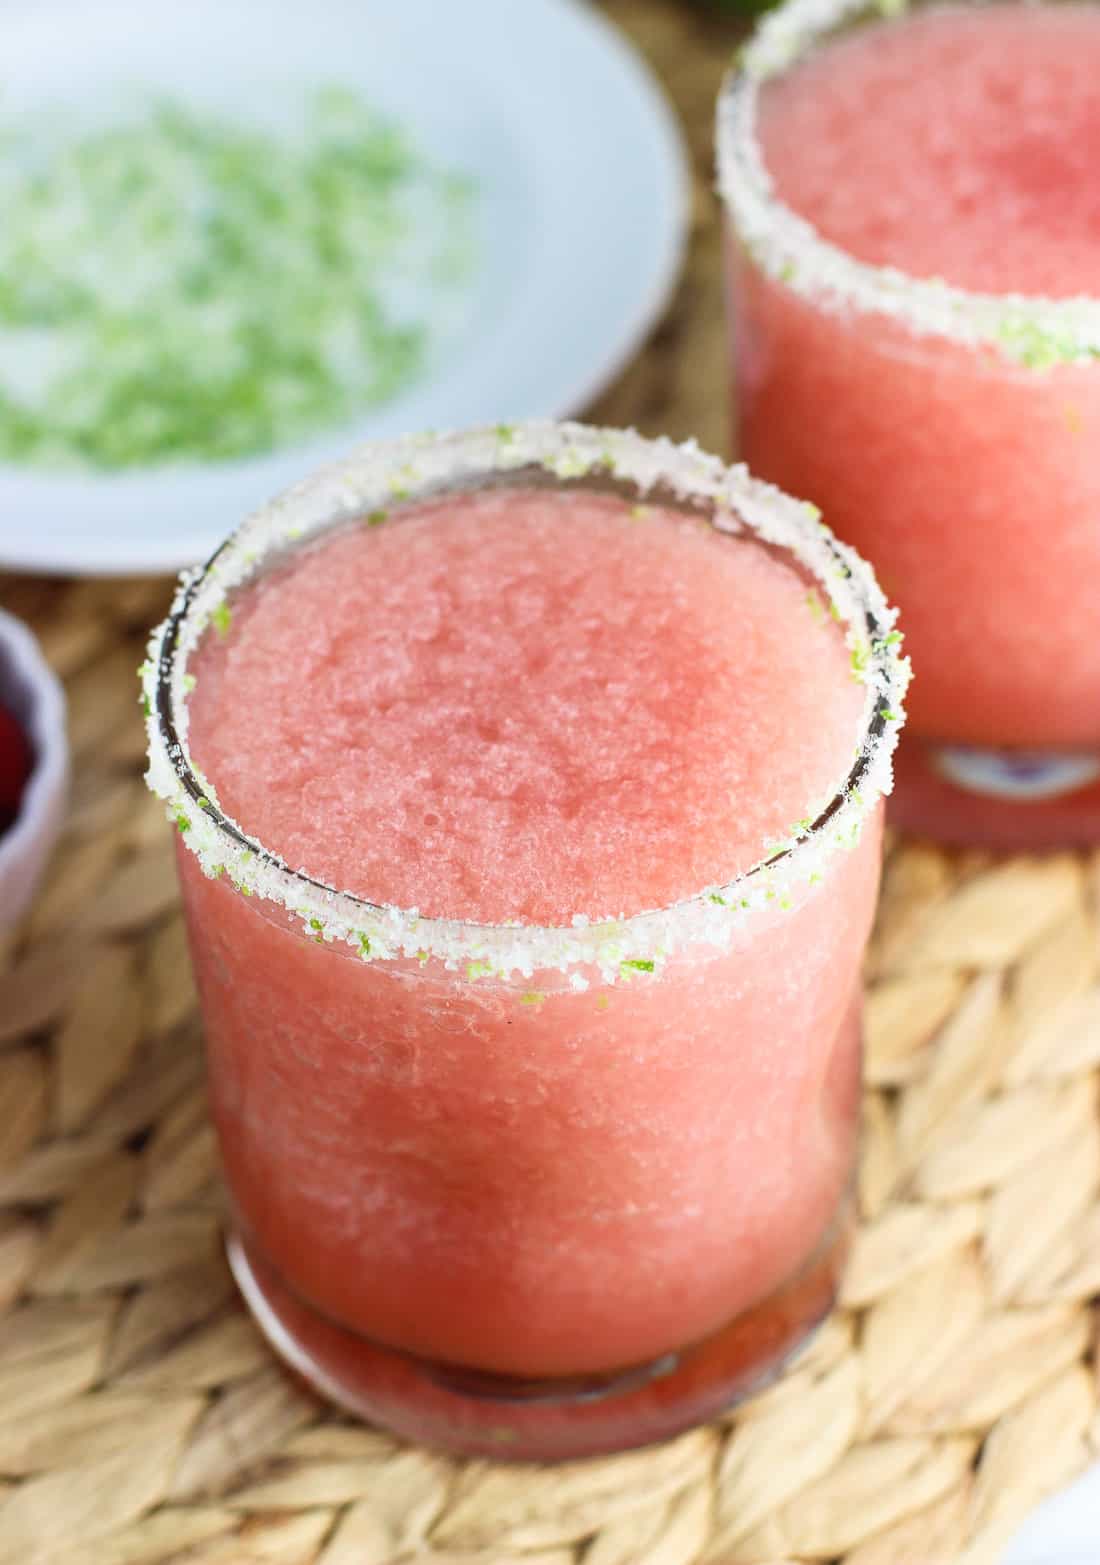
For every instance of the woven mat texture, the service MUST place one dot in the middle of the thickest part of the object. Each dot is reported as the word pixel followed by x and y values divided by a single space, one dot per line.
pixel 142 1419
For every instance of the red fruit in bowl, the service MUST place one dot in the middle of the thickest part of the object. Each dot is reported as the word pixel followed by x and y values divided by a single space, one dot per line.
pixel 15 765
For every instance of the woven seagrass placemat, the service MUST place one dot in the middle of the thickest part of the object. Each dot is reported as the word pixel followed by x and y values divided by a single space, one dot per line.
pixel 142 1420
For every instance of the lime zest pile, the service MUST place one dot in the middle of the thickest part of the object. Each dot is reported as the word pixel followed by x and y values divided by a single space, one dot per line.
pixel 180 286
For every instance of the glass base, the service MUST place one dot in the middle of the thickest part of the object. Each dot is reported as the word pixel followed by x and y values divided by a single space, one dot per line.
pixel 1015 800
pixel 477 1414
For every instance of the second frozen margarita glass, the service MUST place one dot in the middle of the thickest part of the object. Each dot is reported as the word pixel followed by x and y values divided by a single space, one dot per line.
pixel 913 262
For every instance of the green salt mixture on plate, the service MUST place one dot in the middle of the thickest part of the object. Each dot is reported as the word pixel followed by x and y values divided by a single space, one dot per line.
pixel 182 287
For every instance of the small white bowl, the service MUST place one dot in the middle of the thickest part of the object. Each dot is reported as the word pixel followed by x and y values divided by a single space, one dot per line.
pixel 31 691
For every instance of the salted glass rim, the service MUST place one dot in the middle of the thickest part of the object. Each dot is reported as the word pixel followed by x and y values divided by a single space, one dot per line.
pixel 379 476
pixel 1032 330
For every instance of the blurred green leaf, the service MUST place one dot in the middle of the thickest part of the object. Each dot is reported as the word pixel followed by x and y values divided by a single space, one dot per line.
pixel 736 7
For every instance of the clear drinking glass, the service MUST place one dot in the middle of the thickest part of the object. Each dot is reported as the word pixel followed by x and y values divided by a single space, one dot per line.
pixel 952 437
pixel 535 1191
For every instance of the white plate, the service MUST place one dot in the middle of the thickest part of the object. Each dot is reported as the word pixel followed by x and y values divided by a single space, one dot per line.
pixel 583 201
